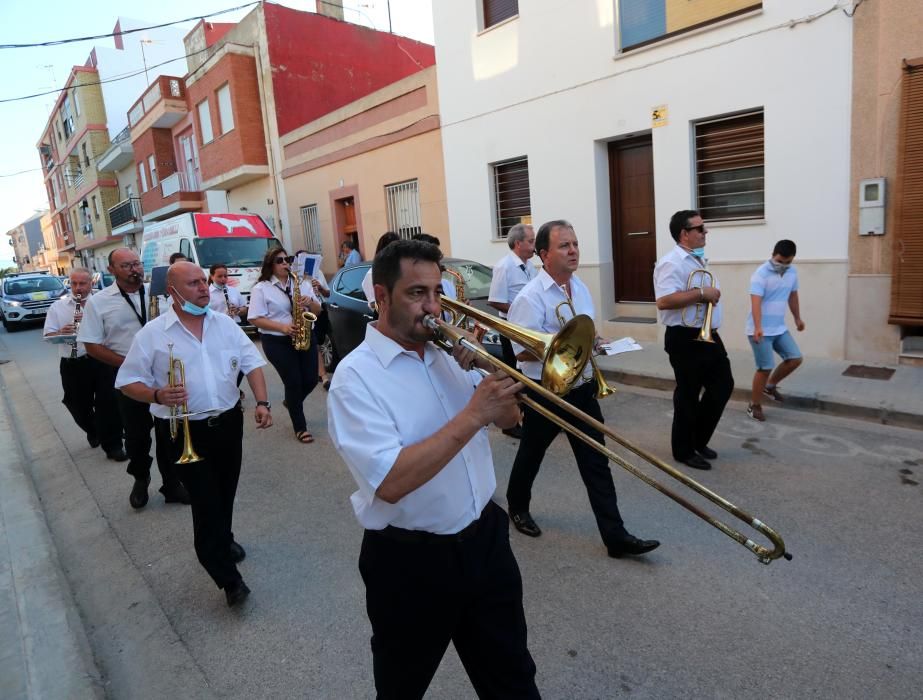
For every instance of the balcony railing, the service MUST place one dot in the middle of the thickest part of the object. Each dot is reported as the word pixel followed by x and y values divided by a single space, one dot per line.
pixel 165 87
pixel 178 182
pixel 125 212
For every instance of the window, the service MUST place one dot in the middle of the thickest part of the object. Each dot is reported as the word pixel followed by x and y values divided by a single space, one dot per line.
pixel 142 176
pixel 205 122
pixel 152 166
pixel 403 202
pixel 512 204
pixel 730 184
pixel 350 282
pixel 86 156
pixel 495 11
pixel 643 22
pixel 95 208
pixel 225 113
pixel 311 226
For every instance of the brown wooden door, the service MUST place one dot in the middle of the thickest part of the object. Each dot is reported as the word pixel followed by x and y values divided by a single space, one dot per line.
pixel 631 183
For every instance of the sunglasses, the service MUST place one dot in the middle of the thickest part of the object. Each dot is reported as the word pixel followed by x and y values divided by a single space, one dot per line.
pixel 700 228
pixel 284 259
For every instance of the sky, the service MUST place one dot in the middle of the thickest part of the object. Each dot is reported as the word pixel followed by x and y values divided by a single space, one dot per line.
pixel 32 70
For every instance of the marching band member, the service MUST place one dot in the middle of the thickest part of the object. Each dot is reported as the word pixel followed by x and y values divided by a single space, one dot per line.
pixel 225 299
pixel 535 307
pixel 213 349
pixel 112 319
pixel 410 424
pixel 271 310
pixel 78 370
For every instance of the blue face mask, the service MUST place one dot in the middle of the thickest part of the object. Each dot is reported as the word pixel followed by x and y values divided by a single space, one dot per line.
pixel 191 308
pixel 698 252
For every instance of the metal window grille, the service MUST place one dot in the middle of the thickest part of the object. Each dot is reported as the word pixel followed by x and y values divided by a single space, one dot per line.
pixel 403 202
pixel 311 226
pixel 511 194
pixel 729 164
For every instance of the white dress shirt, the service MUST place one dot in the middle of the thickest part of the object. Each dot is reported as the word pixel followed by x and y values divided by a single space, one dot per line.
pixel 510 275
pixel 61 314
pixel 671 274
pixel 270 299
pixel 384 398
pixel 108 320
pixel 211 366
pixel 534 307
pixel 368 288
pixel 218 303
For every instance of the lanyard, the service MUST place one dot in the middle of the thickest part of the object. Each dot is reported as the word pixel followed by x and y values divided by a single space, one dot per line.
pixel 142 317
pixel 286 289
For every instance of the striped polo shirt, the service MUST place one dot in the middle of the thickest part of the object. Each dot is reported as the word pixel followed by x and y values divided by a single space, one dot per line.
pixel 775 290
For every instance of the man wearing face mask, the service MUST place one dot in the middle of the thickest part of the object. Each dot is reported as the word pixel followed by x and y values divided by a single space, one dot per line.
pixel 213 350
pixel 111 320
pixel 773 286
pixel 696 365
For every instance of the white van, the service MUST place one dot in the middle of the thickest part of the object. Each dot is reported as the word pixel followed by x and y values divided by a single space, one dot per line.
pixel 237 240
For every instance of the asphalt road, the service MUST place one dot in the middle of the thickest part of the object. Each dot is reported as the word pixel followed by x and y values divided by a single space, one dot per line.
pixel 699 617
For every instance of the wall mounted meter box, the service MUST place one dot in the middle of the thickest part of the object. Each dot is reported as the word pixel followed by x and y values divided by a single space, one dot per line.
pixel 872 207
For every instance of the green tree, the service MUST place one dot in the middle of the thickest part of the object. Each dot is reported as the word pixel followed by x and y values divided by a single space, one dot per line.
pixel 7 271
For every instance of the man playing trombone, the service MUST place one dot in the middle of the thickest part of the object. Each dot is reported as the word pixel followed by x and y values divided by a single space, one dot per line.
pixel 685 291
pixel 212 349
pixel 556 295
pixel 409 421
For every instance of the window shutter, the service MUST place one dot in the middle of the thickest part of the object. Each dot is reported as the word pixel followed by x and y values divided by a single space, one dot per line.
pixel 907 280
pixel 496 11
pixel 511 194
pixel 729 157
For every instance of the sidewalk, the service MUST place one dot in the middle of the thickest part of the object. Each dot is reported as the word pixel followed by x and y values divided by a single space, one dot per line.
pixel 818 385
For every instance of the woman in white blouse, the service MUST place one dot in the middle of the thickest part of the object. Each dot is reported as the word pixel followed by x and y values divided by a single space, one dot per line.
pixel 271 312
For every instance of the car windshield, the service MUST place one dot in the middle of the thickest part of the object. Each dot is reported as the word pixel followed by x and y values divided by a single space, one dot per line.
pixel 477 277
pixel 32 284
pixel 233 252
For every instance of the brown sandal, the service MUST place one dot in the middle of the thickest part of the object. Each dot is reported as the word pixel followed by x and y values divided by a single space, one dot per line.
pixel 304 437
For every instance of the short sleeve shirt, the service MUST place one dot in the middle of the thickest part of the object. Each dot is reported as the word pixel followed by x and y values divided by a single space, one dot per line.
pixel 671 274
pixel 510 275
pixel 775 289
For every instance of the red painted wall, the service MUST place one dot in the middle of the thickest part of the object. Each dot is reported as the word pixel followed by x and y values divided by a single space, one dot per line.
pixel 320 64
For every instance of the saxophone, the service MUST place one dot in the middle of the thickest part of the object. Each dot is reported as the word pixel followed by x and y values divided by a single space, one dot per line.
pixel 303 321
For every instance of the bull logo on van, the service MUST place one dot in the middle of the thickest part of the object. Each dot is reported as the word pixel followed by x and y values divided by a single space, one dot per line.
pixel 231 224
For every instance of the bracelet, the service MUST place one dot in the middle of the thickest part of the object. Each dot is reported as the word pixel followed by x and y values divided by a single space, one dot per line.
pixel 155 396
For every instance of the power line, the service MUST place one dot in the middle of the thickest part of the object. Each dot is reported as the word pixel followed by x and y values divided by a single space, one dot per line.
pixel 58 42
pixel 30 170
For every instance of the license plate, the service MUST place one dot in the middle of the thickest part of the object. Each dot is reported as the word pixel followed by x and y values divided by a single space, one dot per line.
pixel 39 296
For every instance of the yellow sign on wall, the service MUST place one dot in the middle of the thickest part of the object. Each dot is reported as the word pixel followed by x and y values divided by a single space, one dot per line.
pixel 658 116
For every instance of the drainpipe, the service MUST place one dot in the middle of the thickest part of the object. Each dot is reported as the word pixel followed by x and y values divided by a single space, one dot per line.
pixel 267 134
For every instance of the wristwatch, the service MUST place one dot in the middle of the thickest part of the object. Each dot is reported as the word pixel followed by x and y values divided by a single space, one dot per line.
pixel 264 403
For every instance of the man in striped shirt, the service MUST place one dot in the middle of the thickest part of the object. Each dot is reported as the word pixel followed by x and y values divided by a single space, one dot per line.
pixel 773 287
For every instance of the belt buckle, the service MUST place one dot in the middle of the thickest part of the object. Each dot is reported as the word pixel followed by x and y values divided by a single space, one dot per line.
pixel 212 421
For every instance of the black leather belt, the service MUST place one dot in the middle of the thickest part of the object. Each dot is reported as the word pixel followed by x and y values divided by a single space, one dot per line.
pixel 212 421
pixel 399 534
pixel 76 359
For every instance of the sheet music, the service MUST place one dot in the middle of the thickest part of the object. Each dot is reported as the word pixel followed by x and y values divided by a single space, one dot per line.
pixel 616 347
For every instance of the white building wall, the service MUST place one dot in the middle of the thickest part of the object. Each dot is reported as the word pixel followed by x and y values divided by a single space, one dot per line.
pixel 550 85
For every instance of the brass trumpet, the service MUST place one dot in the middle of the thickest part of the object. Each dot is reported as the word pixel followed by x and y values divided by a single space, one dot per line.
pixel 702 312
pixel 563 357
pixel 176 376
pixel 602 388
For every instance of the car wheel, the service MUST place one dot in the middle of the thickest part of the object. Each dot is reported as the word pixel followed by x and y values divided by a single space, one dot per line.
pixel 10 326
pixel 329 353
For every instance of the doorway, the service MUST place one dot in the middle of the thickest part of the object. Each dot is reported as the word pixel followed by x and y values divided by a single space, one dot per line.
pixel 634 237
pixel 346 221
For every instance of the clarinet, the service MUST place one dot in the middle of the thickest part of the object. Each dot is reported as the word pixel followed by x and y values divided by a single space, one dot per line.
pixel 77 298
pixel 227 300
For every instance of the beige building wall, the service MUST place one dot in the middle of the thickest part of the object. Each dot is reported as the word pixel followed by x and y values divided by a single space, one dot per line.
pixel 385 138
pixel 255 198
pixel 884 34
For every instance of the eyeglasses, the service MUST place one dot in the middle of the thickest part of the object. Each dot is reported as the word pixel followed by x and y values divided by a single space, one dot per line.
pixel 700 228
pixel 284 259
pixel 130 265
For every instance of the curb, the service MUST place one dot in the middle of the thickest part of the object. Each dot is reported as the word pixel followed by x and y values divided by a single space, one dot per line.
pixel 816 403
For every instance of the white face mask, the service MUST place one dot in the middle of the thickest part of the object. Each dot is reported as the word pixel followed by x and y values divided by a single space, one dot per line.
pixel 779 268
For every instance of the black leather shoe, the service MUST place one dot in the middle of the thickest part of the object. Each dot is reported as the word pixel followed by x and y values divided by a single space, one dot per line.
pixel 631 545
pixel 696 462
pixel 514 432
pixel 176 494
pixel 237 553
pixel 525 524
pixel 707 452
pixel 236 593
pixel 138 496
pixel 93 440
pixel 117 455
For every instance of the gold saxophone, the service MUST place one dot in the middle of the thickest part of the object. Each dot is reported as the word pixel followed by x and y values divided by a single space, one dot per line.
pixel 303 321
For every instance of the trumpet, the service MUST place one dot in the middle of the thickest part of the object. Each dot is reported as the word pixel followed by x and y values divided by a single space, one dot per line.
pixel 602 388
pixel 176 376
pixel 701 312
pixel 564 356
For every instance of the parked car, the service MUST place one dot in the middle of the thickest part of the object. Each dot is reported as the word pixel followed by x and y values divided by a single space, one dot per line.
pixel 349 312
pixel 101 280
pixel 26 296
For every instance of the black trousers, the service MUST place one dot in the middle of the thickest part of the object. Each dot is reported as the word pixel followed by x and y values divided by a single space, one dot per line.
pixel 297 370
pixel 106 405
pixel 423 591
pixel 537 435
pixel 79 393
pixel 138 422
pixel 509 357
pixel 703 386
pixel 212 487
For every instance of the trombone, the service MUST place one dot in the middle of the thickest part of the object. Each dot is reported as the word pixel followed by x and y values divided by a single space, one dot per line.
pixel 564 356
pixel 701 312
pixel 176 376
